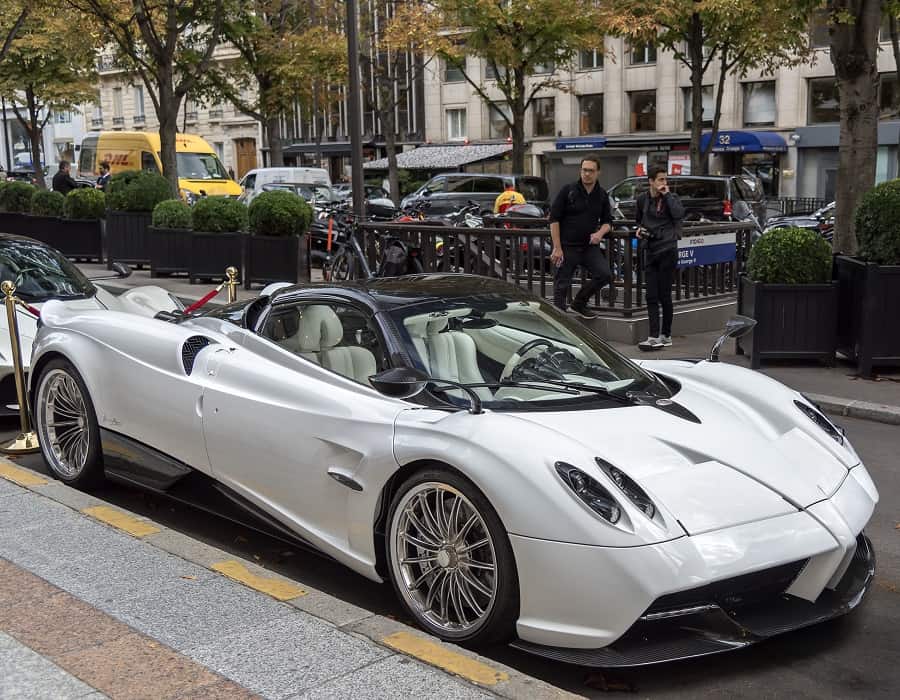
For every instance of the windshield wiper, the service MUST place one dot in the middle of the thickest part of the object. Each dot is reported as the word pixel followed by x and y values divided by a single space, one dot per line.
pixel 621 398
pixel 499 385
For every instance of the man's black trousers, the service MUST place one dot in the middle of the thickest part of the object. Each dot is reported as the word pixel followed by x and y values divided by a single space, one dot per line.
pixel 659 274
pixel 590 257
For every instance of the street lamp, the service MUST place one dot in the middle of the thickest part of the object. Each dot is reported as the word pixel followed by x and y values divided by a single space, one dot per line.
pixel 353 107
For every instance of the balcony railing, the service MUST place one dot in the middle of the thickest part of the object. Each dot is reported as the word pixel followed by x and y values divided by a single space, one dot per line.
pixel 107 63
pixel 215 114
pixel 191 116
pixel 118 121
pixel 138 119
pixel 96 121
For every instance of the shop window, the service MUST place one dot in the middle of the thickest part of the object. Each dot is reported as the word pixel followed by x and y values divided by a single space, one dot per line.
pixel 709 106
pixel 824 101
pixel 592 59
pixel 642 53
pixel 456 124
pixel 590 110
pixel 643 110
pixel 888 97
pixel 759 103
pixel 543 112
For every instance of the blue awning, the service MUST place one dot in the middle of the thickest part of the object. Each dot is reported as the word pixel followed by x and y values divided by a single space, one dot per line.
pixel 745 142
pixel 581 143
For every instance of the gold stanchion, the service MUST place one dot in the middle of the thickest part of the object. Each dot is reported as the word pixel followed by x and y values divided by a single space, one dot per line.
pixel 231 281
pixel 26 442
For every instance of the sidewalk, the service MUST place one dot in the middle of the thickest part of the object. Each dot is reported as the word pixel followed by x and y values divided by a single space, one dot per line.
pixel 96 602
pixel 836 389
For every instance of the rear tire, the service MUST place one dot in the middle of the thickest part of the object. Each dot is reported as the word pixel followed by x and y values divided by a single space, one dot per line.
pixel 343 267
pixel 66 425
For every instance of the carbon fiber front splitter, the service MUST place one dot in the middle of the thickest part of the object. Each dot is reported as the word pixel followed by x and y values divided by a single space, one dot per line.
pixel 711 629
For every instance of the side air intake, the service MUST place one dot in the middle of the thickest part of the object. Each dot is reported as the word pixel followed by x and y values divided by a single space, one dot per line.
pixel 192 346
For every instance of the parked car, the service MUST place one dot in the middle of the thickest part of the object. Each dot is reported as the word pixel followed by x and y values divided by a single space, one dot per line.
pixel 252 183
pixel 42 273
pixel 821 221
pixel 452 191
pixel 709 506
pixel 705 197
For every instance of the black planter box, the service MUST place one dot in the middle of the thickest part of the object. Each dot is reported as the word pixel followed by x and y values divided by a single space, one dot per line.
pixel 40 228
pixel 170 251
pixel 793 321
pixel 211 253
pixel 12 223
pixel 272 259
pixel 868 313
pixel 127 239
pixel 81 239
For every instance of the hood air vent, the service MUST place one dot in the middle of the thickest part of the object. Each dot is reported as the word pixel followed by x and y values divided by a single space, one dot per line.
pixel 192 346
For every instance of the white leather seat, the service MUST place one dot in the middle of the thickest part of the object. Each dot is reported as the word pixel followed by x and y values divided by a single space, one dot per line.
pixel 447 354
pixel 318 334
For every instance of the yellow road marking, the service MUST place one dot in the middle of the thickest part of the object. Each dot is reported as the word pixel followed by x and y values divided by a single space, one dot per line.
pixel 278 589
pixel 440 656
pixel 122 521
pixel 22 477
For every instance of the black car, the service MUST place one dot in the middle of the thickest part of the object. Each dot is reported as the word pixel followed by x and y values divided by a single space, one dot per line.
pixel 705 197
pixel 450 192
pixel 821 221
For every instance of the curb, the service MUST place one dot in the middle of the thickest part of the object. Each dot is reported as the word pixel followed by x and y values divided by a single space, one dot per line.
pixel 456 662
pixel 864 410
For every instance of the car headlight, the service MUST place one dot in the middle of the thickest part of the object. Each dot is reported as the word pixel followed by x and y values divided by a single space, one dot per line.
pixel 590 491
pixel 817 417
pixel 629 487
pixel 189 197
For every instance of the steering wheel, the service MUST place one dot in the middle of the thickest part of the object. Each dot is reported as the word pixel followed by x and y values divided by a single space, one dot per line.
pixel 517 356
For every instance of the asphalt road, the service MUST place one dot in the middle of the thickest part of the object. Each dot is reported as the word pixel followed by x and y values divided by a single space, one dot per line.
pixel 856 656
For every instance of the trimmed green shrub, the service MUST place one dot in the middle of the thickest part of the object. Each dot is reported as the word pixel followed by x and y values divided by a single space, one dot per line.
pixel 790 256
pixel 47 203
pixel 85 203
pixel 219 215
pixel 16 197
pixel 136 190
pixel 172 213
pixel 279 213
pixel 878 224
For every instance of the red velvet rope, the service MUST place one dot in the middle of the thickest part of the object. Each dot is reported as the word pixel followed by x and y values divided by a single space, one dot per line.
pixel 200 302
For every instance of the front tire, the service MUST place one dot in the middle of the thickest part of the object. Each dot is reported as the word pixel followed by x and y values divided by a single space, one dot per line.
pixel 450 559
pixel 343 266
pixel 67 427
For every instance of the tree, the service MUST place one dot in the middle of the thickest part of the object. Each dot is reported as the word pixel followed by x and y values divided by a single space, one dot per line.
pixel 290 53
pixel 517 40
pixel 38 78
pixel 169 44
pixel 853 27
pixel 12 16
pixel 725 36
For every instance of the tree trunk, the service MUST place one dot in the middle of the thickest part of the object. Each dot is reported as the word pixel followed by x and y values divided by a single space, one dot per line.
pixel 854 49
pixel 518 122
pixel 895 48
pixel 167 114
pixel 699 163
pixel 273 137
pixel 35 132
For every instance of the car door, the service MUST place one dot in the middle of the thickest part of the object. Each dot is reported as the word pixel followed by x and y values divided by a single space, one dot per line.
pixel 288 424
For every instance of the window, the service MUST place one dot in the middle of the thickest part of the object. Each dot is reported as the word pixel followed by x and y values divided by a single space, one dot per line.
pixel 340 338
pixel 888 97
pixel 190 109
pixel 492 185
pixel 759 103
pixel 592 59
pixel 884 33
pixel 456 124
pixel 498 128
pixel 65 150
pixel 148 162
pixel 824 101
pixel 87 157
pixel 219 147
pixel 491 74
pixel 543 111
pixel 590 110
pixel 453 73
pixel 118 119
pixel 63 117
pixel 643 110
pixel 642 52
pixel 461 183
pixel 818 29
pixel 540 68
pixel 709 106
pixel 139 101
pixel 97 118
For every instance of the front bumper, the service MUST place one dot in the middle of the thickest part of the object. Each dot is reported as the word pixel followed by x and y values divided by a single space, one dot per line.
pixel 714 618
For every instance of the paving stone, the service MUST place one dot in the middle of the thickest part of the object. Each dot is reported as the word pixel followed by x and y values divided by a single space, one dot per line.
pixel 334 610
pixel 287 656
pixel 395 678
pixel 26 675
pixel 7 488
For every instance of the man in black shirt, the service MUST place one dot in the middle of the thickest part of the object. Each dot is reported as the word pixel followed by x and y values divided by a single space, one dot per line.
pixel 62 181
pixel 580 217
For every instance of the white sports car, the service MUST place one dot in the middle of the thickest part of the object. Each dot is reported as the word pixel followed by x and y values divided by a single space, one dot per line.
pixel 512 475
pixel 41 273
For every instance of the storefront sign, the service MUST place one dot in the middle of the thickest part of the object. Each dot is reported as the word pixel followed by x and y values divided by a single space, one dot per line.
pixel 706 249
pixel 580 144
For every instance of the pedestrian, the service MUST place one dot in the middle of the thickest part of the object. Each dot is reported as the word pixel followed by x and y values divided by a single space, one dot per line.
pixel 658 214
pixel 580 217
pixel 62 181
pixel 103 180
pixel 507 198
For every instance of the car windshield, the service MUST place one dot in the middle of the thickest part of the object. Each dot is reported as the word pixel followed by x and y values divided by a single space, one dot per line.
pixel 40 273
pixel 517 355
pixel 200 166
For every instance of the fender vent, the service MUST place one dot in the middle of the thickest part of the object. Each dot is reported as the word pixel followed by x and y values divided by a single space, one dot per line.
pixel 189 350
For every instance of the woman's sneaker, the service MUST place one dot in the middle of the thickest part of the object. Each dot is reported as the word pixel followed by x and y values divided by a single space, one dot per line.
pixel 666 340
pixel 651 344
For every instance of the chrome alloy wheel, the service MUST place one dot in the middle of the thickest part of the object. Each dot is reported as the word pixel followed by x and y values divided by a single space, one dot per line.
pixel 63 423
pixel 443 558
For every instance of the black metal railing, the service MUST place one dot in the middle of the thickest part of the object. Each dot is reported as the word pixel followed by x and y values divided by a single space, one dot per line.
pixel 522 256
pixel 138 119
pixel 787 206
pixel 118 121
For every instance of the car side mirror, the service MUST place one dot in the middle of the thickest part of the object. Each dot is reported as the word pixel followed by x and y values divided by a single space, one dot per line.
pixel 400 382
pixel 121 269
pixel 736 327
pixel 426 193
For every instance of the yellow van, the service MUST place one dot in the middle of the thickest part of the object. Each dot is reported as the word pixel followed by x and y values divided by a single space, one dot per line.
pixel 200 172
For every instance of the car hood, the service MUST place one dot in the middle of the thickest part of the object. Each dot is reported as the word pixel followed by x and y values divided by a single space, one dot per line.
pixel 801 221
pixel 753 455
